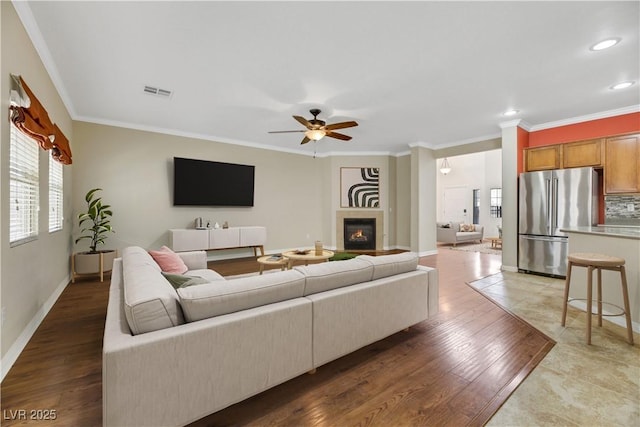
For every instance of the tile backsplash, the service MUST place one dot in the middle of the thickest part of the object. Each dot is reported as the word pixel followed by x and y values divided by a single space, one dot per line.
pixel 617 209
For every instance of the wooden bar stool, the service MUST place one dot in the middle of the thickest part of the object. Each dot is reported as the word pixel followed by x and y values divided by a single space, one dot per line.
pixel 599 262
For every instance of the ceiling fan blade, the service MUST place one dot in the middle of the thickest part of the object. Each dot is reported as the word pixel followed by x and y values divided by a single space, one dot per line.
pixel 303 121
pixel 341 125
pixel 286 131
pixel 305 140
pixel 337 135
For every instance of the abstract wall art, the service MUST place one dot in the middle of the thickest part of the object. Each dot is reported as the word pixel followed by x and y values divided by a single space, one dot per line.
pixel 360 187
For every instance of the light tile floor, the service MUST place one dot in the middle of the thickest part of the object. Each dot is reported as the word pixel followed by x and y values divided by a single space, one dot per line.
pixel 576 384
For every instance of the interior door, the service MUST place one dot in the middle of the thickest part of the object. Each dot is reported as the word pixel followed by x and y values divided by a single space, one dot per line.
pixel 455 204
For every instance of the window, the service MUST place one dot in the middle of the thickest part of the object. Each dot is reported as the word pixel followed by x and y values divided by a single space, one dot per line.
pixel 23 187
pixel 496 203
pixel 55 195
pixel 476 206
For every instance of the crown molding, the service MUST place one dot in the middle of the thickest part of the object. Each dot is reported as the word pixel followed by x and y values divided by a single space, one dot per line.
pixel 586 118
pixel 510 124
pixel 468 141
pixel 194 135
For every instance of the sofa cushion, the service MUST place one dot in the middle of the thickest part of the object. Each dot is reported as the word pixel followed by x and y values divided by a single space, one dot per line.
pixel 150 302
pixel 169 261
pixel 335 274
pixel 389 265
pixel 228 296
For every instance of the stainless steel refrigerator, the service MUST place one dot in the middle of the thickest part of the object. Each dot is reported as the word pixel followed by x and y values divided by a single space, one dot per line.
pixel 548 202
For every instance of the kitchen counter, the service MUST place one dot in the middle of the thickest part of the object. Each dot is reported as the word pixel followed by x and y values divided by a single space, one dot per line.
pixel 626 232
pixel 623 242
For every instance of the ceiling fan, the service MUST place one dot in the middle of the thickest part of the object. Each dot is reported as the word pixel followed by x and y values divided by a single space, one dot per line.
pixel 318 129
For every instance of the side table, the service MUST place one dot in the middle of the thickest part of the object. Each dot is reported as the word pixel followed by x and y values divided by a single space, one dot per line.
pixel 282 262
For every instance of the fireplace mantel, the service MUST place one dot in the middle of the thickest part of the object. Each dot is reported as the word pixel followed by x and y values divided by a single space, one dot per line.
pixel 360 213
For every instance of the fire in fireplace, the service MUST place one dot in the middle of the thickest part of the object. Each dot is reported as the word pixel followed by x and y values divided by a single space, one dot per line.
pixel 360 233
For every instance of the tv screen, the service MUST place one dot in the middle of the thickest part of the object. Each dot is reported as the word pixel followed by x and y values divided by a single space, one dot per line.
pixel 206 183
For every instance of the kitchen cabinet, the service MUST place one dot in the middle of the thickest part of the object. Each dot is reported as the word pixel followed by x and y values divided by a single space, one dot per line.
pixel 543 158
pixel 622 164
pixel 583 153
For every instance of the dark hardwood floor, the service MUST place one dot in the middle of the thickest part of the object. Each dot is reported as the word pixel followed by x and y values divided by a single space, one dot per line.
pixel 456 368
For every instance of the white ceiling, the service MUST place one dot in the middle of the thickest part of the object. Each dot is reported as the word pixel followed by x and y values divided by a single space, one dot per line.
pixel 435 73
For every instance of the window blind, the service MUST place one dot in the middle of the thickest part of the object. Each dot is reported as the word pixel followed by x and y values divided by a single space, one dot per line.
pixel 55 195
pixel 23 187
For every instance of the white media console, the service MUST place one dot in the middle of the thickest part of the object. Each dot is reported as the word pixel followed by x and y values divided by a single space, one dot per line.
pixel 182 240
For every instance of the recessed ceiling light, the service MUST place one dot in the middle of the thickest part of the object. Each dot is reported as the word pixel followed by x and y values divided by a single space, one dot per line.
pixel 622 85
pixel 605 44
pixel 510 112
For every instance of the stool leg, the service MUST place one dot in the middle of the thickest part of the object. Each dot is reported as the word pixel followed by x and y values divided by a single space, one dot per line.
pixel 625 296
pixel 566 293
pixel 589 301
pixel 599 297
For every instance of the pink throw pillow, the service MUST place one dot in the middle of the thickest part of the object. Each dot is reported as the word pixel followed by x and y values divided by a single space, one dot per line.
pixel 169 261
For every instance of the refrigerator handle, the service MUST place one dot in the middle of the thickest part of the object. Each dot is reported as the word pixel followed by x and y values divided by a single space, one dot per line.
pixel 548 199
pixel 554 208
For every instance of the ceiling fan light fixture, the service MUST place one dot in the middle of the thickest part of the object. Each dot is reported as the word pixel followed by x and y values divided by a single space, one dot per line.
pixel 315 134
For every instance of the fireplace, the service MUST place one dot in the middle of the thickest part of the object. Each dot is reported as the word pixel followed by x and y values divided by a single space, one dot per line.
pixel 359 233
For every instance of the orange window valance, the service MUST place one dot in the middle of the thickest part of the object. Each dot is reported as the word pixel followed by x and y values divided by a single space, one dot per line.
pixel 31 118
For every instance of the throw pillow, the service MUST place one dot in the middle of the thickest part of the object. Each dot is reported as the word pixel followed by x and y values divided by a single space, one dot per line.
pixel 169 261
pixel 181 281
pixel 467 227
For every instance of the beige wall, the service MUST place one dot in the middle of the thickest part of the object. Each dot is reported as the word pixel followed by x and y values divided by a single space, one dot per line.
pixel 33 274
pixel 403 202
pixel 423 194
pixel 296 196
pixel 135 170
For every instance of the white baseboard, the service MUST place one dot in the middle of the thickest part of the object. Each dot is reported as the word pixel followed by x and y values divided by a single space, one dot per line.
pixel 23 339
pixel 509 268
pixel 428 253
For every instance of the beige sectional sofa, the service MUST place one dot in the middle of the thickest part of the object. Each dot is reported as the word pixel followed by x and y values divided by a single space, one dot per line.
pixel 171 356
pixel 449 232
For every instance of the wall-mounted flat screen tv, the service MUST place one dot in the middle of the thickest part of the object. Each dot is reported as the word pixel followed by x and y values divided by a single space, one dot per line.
pixel 207 183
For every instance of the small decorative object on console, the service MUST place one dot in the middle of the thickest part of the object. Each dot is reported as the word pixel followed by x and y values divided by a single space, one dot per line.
pixel 301 251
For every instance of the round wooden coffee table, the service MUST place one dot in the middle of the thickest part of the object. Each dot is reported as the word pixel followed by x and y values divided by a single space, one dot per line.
pixel 309 255
pixel 282 262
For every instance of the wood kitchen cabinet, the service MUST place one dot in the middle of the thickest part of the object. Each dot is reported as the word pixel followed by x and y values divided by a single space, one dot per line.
pixel 543 158
pixel 622 164
pixel 583 153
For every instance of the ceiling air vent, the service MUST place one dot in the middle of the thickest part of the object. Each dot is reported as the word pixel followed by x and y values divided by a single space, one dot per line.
pixel 158 92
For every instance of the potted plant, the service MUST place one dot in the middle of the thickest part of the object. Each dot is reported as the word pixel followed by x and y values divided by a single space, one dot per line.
pixel 94 225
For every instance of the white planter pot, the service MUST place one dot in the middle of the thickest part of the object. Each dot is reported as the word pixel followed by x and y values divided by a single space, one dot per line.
pixel 96 263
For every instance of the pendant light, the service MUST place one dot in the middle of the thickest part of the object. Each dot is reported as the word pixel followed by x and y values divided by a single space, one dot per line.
pixel 445 168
